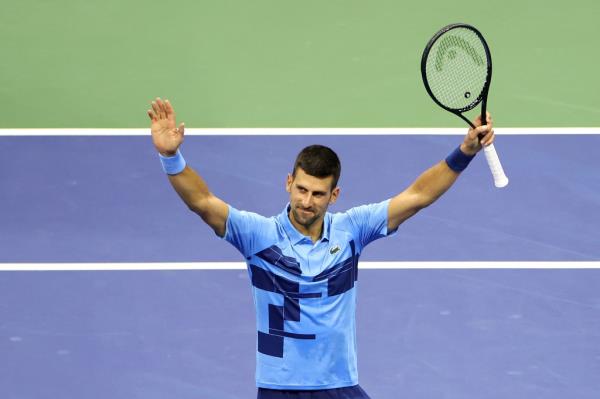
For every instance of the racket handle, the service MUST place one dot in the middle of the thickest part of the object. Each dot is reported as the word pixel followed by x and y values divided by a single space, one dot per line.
pixel 500 179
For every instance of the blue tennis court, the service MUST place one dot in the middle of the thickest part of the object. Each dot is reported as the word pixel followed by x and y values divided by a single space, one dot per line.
pixel 106 199
pixel 462 331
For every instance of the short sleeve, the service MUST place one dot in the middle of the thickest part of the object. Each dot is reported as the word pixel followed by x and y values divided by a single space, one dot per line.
pixel 248 231
pixel 370 222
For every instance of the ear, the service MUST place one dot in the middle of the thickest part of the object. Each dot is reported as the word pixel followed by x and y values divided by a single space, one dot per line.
pixel 335 193
pixel 288 183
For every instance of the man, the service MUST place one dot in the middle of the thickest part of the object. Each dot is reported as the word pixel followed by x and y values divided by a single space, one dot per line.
pixel 303 262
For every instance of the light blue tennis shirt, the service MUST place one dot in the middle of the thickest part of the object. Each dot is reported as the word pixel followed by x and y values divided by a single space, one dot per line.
pixel 305 294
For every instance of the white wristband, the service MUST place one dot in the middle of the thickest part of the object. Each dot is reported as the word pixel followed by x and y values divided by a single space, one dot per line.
pixel 173 165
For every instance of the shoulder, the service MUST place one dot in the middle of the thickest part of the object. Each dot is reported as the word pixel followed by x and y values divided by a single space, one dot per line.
pixel 251 221
pixel 250 231
pixel 360 214
pixel 364 223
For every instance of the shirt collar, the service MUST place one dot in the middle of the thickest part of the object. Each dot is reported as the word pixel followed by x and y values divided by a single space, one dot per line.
pixel 294 234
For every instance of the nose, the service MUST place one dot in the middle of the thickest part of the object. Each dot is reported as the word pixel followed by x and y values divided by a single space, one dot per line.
pixel 307 200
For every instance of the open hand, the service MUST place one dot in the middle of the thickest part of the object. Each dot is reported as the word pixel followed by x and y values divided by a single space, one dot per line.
pixel 165 135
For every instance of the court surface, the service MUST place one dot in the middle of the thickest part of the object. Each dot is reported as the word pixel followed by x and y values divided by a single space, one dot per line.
pixel 105 199
pixel 464 329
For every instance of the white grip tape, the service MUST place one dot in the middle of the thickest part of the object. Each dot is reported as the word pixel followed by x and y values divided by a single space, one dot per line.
pixel 500 179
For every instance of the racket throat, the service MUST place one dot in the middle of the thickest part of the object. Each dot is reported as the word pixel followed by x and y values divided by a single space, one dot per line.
pixel 461 116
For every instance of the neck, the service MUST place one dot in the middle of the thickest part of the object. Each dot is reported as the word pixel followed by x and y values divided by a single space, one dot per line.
pixel 314 231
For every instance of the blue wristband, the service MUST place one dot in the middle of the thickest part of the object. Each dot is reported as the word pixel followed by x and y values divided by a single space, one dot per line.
pixel 458 160
pixel 173 165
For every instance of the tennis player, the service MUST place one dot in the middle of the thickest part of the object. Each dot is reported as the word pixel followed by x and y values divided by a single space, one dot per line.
pixel 303 262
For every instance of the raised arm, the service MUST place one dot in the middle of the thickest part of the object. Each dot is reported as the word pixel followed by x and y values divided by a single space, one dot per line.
pixel 435 181
pixel 192 189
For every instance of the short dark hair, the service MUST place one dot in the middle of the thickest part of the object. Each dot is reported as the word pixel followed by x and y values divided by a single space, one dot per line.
pixel 319 161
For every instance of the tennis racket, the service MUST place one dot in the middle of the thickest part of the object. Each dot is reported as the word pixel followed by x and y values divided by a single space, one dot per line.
pixel 457 70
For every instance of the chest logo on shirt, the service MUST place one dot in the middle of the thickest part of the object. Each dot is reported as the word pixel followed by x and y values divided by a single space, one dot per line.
pixel 335 249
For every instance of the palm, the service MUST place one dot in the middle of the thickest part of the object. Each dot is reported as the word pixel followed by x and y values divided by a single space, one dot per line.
pixel 165 134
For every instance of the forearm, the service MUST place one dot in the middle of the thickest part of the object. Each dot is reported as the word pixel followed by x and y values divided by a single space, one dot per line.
pixel 424 191
pixel 192 189
pixel 432 183
pixel 435 181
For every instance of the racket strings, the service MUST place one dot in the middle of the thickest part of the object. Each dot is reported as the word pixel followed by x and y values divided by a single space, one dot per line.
pixel 457 69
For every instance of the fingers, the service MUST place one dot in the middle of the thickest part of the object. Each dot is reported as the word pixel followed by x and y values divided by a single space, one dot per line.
pixel 477 121
pixel 479 131
pixel 488 117
pixel 155 108
pixel 161 109
pixel 169 108
pixel 488 139
pixel 181 128
pixel 480 136
pixel 485 133
pixel 152 115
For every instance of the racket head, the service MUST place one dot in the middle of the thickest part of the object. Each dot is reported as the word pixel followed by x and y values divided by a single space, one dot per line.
pixel 456 67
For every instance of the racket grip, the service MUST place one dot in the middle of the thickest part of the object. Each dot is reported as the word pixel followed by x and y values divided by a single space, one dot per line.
pixel 500 179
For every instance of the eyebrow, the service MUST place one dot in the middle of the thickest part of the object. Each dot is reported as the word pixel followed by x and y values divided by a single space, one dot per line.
pixel 300 186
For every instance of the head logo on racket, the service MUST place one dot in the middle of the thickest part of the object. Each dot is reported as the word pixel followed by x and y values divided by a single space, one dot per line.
pixel 448 46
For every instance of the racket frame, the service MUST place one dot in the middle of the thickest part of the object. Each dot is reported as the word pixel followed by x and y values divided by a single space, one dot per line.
pixel 500 179
pixel 482 98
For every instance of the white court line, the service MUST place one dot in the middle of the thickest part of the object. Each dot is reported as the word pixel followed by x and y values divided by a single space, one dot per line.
pixel 242 266
pixel 301 131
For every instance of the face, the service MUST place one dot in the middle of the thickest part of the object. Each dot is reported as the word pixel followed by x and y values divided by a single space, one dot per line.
pixel 310 197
